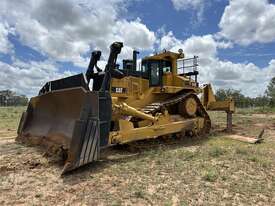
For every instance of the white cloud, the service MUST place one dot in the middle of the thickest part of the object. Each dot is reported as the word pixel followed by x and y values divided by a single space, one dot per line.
pixel 247 77
pixel 135 34
pixel 248 21
pixel 168 41
pixel 206 45
pixel 196 5
pixel 28 78
pixel 66 30
pixel 5 45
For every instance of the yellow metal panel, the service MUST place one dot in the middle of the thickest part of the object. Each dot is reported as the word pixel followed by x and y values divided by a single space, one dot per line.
pixel 208 95
pixel 227 106
pixel 151 131
pixel 165 55
pixel 168 79
pixel 167 89
pixel 125 125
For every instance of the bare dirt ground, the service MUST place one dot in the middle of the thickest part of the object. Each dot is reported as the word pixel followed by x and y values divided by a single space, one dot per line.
pixel 214 171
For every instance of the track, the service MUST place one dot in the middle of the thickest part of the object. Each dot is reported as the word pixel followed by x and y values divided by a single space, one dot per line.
pixel 156 107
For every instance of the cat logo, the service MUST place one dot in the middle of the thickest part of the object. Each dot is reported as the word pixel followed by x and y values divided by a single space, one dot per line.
pixel 119 90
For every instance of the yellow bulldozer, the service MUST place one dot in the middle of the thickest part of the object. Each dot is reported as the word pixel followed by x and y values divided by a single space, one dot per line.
pixel 80 115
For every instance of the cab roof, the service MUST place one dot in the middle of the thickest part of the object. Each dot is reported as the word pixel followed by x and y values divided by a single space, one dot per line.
pixel 165 55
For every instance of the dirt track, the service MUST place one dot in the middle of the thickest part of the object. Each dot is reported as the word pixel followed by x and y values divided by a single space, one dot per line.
pixel 180 172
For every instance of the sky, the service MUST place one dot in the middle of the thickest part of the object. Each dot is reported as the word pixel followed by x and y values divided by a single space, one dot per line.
pixel 42 40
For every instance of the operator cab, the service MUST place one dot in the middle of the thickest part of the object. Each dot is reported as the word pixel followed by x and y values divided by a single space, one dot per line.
pixel 155 69
pixel 151 69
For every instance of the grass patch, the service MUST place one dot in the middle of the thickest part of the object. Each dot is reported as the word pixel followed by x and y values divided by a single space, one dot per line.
pixel 10 116
pixel 266 164
pixel 250 111
pixel 265 110
pixel 216 152
pixel 139 194
pixel 241 151
pixel 262 161
pixel 187 155
pixel 245 111
pixel 253 159
pixel 210 175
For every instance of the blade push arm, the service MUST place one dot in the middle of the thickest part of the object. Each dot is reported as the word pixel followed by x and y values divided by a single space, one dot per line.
pixel 95 57
pixel 110 70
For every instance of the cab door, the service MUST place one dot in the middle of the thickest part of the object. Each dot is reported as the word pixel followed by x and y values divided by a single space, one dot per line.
pixel 155 73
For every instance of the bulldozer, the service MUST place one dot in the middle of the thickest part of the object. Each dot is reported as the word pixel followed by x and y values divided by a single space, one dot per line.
pixel 80 115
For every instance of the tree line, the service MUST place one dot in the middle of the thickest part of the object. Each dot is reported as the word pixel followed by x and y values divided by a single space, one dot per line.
pixel 10 98
pixel 242 101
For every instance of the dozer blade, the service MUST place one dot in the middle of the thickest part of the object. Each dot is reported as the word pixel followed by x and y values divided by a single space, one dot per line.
pixel 74 121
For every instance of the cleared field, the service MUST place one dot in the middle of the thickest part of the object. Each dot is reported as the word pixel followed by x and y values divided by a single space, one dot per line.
pixel 214 171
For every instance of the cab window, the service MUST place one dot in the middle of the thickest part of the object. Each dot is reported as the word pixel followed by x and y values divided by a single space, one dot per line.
pixel 144 67
pixel 167 66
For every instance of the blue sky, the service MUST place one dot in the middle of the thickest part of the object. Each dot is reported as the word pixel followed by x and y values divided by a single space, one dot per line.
pixel 158 14
pixel 42 40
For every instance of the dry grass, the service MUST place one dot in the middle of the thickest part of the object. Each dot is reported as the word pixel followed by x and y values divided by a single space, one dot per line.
pixel 215 171
pixel 9 117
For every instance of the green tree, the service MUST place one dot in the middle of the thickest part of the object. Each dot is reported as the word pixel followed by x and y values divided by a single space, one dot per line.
pixel 270 92
pixel 261 101
pixel 9 98
pixel 239 98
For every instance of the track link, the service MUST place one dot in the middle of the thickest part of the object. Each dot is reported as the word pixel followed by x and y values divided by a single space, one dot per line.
pixel 156 107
